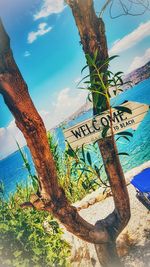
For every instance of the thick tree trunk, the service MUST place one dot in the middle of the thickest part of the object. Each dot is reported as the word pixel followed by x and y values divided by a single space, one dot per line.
pixel 119 218
pixel 92 34
pixel 107 255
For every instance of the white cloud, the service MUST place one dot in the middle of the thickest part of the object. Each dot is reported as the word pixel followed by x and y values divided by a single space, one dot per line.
pixel 67 102
pixel 131 39
pixel 42 29
pixel 139 61
pixel 8 138
pixel 50 7
pixel 11 134
pixel 115 42
pixel 27 54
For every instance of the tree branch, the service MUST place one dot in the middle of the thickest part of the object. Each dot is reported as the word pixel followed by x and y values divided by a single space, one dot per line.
pixel 128 7
pixel 104 7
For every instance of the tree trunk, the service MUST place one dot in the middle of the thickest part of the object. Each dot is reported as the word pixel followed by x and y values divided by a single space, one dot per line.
pixel 107 255
pixel 115 222
pixel 92 34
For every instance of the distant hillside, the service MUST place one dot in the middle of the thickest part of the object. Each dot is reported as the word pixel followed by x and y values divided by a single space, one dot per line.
pixel 135 77
pixel 138 75
pixel 85 107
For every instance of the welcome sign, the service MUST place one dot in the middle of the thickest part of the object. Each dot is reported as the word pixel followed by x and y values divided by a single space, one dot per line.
pixel 91 130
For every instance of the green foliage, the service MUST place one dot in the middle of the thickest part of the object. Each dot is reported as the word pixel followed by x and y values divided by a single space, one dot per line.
pixel 75 184
pixel 29 238
pixel 125 133
pixel 123 154
pixel 32 177
pixel 78 173
pixel 53 144
pixel 98 83
pixel 86 168
pixel 100 80
pixel 1 189
pixel 123 109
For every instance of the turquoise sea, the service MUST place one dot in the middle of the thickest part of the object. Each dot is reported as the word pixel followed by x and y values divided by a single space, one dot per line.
pixel 12 170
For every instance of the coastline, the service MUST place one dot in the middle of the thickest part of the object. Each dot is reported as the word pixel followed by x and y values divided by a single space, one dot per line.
pixel 98 194
pixel 129 174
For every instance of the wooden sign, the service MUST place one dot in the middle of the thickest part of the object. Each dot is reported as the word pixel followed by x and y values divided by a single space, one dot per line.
pixel 91 129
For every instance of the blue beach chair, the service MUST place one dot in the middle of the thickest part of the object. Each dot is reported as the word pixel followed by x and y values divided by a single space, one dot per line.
pixel 142 184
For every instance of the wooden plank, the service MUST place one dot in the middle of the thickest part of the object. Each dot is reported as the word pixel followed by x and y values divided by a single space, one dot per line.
pixel 91 130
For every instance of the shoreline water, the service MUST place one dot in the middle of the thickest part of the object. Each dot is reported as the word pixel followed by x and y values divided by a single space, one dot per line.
pixel 12 170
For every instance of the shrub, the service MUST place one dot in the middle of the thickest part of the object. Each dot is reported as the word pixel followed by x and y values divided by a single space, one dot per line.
pixel 79 171
pixel 29 238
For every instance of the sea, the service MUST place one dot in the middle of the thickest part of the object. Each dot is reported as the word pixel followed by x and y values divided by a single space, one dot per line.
pixel 13 172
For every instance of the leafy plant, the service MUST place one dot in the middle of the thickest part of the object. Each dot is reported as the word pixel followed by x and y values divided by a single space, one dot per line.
pixel 2 192
pixel 87 166
pixel 29 237
pixel 78 173
pixel 57 154
pixel 98 83
pixel 32 177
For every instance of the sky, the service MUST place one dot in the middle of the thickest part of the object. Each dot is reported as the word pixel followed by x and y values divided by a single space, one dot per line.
pixel 46 47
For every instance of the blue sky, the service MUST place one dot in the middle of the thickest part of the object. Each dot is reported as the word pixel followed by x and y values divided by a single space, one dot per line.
pixel 45 44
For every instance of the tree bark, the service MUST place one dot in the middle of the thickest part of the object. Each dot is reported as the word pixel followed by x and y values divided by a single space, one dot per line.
pixel 92 34
pixel 107 255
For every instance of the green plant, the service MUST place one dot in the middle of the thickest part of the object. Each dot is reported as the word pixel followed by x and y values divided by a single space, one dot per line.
pixel 98 83
pixel 57 154
pixel 29 238
pixel 2 192
pixel 75 171
pixel 74 182
pixel 87 160
pixel 33 179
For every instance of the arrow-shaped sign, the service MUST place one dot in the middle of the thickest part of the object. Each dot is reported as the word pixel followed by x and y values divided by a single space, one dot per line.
pixel 91 130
